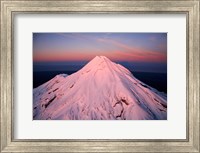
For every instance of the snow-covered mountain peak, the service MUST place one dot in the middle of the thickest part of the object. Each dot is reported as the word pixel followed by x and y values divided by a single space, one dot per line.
pixel 99 60
pixel 101 65
pixel 101 90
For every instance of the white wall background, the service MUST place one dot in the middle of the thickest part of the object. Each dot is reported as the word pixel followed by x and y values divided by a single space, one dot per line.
pixel 173 128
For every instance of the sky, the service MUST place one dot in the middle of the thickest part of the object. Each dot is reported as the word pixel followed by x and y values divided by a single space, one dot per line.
pixel 70 51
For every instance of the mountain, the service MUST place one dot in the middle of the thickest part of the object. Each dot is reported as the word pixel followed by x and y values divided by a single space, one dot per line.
pixel 101 90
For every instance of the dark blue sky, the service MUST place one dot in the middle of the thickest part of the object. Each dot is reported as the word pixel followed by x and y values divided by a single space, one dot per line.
pixel 145 52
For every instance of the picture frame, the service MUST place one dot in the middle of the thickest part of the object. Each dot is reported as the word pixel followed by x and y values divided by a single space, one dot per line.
pixel 10 8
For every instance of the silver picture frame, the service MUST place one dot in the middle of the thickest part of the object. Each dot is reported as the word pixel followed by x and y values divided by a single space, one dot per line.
pixel 9 8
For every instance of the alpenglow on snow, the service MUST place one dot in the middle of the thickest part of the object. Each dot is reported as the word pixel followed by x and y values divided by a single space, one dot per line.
pixel 101 90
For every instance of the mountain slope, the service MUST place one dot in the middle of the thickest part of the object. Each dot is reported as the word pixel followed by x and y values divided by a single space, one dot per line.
pixel 101 90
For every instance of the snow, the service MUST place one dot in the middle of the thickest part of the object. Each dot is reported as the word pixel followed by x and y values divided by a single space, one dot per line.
pixel 101 90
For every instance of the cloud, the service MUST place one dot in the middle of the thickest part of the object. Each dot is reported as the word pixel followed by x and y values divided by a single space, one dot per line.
pixel 133 53
pixel 99 45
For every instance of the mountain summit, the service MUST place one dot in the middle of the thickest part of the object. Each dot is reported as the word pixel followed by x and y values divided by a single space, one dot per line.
pixel 101 90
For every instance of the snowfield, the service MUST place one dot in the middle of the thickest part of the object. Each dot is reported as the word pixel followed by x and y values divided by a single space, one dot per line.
pixel 101 90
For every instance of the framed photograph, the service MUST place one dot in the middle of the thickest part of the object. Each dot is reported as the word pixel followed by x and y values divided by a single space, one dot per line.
pixel 99 76
pixel 88 85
